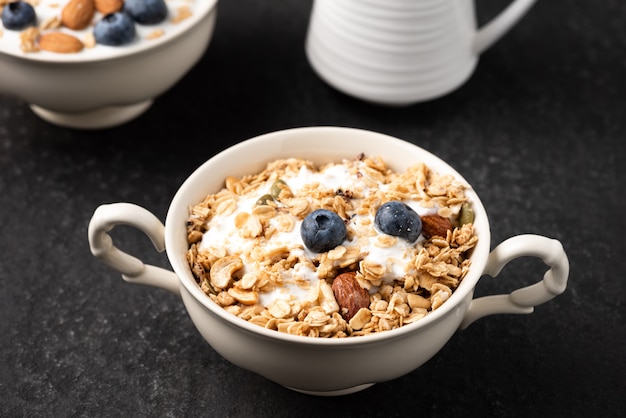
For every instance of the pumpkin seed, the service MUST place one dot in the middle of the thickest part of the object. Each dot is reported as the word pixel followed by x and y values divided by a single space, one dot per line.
pixel 265 199
pixel 278 187
pixel 467 214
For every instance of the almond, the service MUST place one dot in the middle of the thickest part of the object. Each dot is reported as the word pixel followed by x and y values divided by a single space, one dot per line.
pixel 108 6
pixel 435 225
pixel 77 14
pixel 350 296
pixel 60 42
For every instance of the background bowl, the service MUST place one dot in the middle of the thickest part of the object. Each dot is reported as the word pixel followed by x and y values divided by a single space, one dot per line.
pixel 106 86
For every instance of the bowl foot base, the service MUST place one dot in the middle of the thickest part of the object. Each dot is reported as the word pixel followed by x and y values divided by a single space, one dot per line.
pixel 105 117
pixel 339 392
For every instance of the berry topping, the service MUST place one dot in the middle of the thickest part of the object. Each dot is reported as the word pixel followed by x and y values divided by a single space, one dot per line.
pixel 115 29
pixel 146 12
pixel 322 230
pixel 398 219
pixel 18 15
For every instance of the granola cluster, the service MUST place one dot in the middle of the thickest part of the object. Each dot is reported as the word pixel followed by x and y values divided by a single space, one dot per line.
pixel 246 254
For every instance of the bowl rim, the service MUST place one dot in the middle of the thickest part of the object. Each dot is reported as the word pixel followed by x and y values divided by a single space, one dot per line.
pixel 203 9
pixel 479 254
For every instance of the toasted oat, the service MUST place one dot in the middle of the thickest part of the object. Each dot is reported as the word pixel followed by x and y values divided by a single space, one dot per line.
pixel 157 33
pixel 89 40
pixel 53 22
pixel 245 297
pixel 28 39
pixel 362 317
pixel 182 13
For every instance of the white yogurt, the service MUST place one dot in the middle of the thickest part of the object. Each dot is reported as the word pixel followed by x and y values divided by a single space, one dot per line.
pixel 397 258
pixel 292 290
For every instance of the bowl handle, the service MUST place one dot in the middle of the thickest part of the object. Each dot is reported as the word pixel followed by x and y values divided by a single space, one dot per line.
pixel 133 270
pixel 522 301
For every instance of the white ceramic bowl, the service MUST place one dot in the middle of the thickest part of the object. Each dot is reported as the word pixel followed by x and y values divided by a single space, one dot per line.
pixel 306 364
pixel 106 86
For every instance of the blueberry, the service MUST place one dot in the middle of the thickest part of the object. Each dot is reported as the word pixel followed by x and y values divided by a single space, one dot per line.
pixel 146 12
pixel 18 15
pixel 322 230
pixel 398 219
pixel 115 29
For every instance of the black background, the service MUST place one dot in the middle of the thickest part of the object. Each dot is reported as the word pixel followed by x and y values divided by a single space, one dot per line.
pixel 538 130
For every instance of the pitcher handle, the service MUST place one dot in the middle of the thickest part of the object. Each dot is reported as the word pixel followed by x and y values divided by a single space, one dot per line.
pixel 133 270
pixel 522 301
pixel 499 25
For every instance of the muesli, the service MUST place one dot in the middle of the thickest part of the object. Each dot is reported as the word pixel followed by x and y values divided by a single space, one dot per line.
pixel 345 249
pixel 95 28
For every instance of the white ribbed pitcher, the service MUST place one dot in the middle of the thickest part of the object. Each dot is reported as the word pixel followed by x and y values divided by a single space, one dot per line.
pixel 400 52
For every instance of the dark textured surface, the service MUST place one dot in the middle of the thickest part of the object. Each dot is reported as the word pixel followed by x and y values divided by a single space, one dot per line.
pixel 539 130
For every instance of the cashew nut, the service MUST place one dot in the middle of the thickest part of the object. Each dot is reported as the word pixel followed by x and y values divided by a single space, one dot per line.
pixel 222 271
